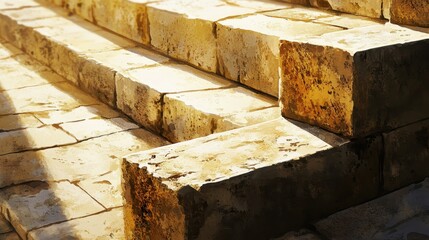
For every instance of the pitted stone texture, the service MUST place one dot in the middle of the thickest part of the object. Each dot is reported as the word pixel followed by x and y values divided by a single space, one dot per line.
pixel 140 92
pixel 19 121
pixel 372 79
pixel 103 226
pixel 400 215
pixel 409 12
pixel 246 183
pixel 33 138
pixel 185 29
pixel 55 97
pixel 98 73
pixel 364 8
pixel 5 226
pixel 77 114
pixel 75 162
pixel 10 236
pixel 406 155
pixel 248 49
pixel 196 114
pixel 106 189
pixel 97 127
pixel 38 204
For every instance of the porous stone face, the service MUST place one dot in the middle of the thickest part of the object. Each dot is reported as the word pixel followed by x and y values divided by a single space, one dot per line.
pixel 406 155
pixel 246 183
pixel 196 114
pixel 409 12
pixel 398 215
pixel 358 81
pixel 248 49
pixel 140 92
pixel 358 7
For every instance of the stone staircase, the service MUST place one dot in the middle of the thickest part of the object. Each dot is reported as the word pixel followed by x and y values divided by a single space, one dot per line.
pixel 208 76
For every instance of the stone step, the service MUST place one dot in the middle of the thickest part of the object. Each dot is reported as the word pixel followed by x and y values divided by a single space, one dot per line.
pixel 157 92
pixel 259 181
pixel 60 152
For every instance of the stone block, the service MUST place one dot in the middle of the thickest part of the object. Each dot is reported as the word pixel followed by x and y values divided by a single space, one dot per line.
pixel 15 4
pixel 408 12
pixel 186 29
pixel 251 183
pixel 103 226
pixel 191 115
pixel 5 226
pixel 358 81
pixel 18 121
pixel 140 92
pixel 10 236
pixel 37 204
pixel 357 7
pixel 406 155
pixel 248 48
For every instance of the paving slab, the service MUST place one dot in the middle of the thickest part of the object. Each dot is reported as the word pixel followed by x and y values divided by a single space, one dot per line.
pixel 77 114
pixel 103 226
pixel 140 92
pixel 33 138
pixel 38 204
pixel 75 162
pixel 246 183
pixel 363 89
pixel 8 50
pixel 399 215
pixel 97 127
pixel 14 4
pixel 196 114
pixel 19 121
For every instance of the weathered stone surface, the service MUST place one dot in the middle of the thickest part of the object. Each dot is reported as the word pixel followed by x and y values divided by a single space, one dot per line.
pixel 364 8
pixel 98 73
pixel 185 29
pixel 31 13
pixel 33 138
pixel 103 226
pixel 409 12
pixel 246 183
pixel 14 4
pixel 349 21
pixel 406 155
pixel 19 121
pixel 248 49
pixel 140 92
pixel 372 79
pixel 8 50
pixel 399 215
pixel 303 234
pixel 196 114
pixel 97 127
pixel 106 189
pixel 26 78
pixel 5 226
pixel 34 205
pixel 55 97
pixel 10 236
pixel 75 162
pixel 77 114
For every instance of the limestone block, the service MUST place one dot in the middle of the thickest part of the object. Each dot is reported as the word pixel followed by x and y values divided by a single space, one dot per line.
pixel 14 4
pixel 409 12
pixel 20 77
pixel 248 49
pixel 185 29
pixel 19 121
pixel 364 8
pixel 76 114
pixel 349 21
pixel 358 81
pixel 247 183
pixel 82 8
pixel 38 204
pixel 140 91
pixel 33 138
pixel 406 155
pixel 247 118
pixel 58 96
pixel 97 127
pixel 398 215
pixel 103 226
pixel 196 114
pixel 84 160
